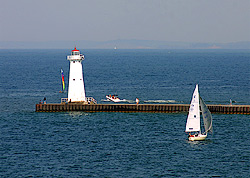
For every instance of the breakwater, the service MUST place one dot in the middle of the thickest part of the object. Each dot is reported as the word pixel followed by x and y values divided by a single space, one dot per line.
pixel 165 108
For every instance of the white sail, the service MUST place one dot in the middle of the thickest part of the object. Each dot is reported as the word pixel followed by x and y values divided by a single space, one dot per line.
pixel 207 117
pixel 193 120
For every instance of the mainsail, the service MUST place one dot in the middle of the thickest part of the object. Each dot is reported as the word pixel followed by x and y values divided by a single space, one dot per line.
pixel 193 120
pixel 207 117
pixel 63 83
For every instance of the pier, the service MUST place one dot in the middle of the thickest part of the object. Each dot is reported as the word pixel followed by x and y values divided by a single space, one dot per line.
pixel 158 108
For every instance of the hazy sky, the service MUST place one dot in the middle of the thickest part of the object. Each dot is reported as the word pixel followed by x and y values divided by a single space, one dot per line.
pixel 101 20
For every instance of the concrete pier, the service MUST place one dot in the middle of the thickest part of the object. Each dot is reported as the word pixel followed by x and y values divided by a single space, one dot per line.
pixel 164 108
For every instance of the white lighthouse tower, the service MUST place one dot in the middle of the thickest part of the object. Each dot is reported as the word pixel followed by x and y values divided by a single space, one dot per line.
pixel 76 90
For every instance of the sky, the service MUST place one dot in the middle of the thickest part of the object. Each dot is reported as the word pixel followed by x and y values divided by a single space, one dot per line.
pixel 103 20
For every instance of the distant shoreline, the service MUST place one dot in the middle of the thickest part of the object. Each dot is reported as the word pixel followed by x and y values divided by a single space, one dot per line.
pixel 122 44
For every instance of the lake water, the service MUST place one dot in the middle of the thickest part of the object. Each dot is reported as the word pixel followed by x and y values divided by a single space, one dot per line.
pixel 78 144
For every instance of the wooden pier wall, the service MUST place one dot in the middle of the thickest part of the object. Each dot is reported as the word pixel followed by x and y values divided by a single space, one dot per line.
pixel 165 108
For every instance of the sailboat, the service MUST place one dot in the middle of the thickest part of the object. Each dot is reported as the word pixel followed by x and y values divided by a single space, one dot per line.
pixel 193 124
pixel 63 83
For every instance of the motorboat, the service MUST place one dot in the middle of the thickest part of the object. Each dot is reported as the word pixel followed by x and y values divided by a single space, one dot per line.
pixel 113 98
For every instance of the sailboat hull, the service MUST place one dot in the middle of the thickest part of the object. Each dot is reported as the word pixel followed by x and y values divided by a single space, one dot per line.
pixel 198 137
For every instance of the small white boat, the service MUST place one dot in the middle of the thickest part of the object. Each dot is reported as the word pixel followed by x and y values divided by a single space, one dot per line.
pixel 113 98
pixel 193 121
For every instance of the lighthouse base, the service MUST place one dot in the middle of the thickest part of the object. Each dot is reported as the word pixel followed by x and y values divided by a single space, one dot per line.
pixel 89 100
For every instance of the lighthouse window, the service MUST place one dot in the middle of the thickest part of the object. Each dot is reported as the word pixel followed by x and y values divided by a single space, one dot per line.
pixel 74 79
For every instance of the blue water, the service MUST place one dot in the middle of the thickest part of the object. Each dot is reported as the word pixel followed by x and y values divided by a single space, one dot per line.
pixel 78 144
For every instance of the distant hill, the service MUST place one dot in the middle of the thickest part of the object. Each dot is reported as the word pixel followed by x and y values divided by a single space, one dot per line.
pixel 122 44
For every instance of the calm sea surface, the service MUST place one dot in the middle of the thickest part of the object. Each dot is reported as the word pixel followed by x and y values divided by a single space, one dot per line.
pixel 78 144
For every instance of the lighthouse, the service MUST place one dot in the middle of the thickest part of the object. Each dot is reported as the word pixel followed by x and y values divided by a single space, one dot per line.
pixel 76 90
